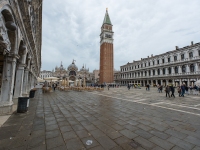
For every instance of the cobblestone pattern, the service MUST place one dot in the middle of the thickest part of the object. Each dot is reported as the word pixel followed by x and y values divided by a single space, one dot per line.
pixel 114 120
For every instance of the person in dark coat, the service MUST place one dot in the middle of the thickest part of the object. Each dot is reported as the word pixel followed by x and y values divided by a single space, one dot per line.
pixel 172 90
pixel 167 90
pixel 182 90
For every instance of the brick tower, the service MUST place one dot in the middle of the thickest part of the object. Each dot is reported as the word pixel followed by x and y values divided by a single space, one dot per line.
pixel 106 51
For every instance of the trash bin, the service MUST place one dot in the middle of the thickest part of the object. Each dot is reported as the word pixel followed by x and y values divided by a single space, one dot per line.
pixel 23 104
pixel 32 93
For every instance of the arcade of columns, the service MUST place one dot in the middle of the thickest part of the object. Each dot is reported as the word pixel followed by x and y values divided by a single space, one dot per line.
pixel 180 66
pixel 20 49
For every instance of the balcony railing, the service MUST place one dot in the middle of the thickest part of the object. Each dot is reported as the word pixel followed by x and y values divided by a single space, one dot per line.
pixel 166 75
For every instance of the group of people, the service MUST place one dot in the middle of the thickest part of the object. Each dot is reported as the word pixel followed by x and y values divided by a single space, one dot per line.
pixel 182 90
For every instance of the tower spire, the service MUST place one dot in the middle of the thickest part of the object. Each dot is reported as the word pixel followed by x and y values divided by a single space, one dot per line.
pixel 107 18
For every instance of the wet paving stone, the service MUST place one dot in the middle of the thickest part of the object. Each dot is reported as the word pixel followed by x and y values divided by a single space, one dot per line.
pixel 66 120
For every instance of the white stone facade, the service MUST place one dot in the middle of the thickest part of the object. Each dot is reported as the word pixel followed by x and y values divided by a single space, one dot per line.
pixel 46 74
pixel 177 67
pixel 20 49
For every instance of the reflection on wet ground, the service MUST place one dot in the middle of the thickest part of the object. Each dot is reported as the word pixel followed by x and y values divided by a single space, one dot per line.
pixel 114 119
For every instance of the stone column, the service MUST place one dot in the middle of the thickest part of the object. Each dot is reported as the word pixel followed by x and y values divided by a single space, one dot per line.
pixel 161 82
pixel 166 71
pixel 19 81
pixel 167 82
pixel 151 82
pixel 173 82
pixel 8 76
pixel 188 82
pixel 25 84
pixel 196 67
pixel 180 69
pixel 187 69
pixel 172 70
pixel 156 82
pixel 29 81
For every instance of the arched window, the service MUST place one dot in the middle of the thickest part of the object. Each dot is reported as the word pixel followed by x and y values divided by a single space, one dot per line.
pixel 168 59
pixel 142 74
pixel 149 64
pixel 192 68
pixel 175 58
pixel 191 54
pixel 163 70
pixel 157 61
pixel 183 69
pixel 138 74
pixel 199 52
pixel 182 56
pixel 149 72
pixel 153 63
pixel 145 73
pixel 176 69
pixel 169 70
pixel 158 71
pixel 153 72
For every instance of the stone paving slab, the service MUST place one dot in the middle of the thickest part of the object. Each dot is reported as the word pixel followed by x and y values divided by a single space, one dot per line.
pixel 115 119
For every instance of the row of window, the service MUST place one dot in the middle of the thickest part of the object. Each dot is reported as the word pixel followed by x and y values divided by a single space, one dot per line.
pixel 158 62
pixel 183 69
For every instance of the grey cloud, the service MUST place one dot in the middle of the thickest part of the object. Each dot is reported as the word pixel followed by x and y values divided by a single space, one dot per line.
pixel 141 28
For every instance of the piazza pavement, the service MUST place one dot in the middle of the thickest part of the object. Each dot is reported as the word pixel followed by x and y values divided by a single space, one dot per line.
pixel 112 120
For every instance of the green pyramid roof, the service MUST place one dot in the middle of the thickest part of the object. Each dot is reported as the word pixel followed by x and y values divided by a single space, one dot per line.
pixel 107 19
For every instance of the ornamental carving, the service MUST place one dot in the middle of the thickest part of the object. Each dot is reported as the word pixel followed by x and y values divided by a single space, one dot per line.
pixel 4 39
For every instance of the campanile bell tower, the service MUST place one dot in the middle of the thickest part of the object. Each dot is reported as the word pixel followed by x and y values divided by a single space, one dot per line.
pixel 106 51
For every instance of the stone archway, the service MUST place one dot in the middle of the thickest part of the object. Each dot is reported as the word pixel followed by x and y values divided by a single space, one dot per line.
pixel 73 78
pixel 8 54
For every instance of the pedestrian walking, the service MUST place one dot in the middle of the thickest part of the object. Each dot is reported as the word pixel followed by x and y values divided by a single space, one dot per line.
pixel 172 90
pixel 167 90
pixel 108 87
pixel 182 90
pixel 54 86
pixel 161 88
pixel 128 86
pixel 186 90
pixel 179 90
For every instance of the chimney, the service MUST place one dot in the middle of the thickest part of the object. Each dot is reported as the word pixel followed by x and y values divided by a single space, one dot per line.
pixel 191 42
pixel 151 55
pixel 176 47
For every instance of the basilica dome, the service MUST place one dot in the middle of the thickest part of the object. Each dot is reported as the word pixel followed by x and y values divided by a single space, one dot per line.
pixel 72 66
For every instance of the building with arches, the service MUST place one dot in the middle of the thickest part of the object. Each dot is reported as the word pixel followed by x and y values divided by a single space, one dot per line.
pixel 178 66
pixel 20 49
pixel 72 73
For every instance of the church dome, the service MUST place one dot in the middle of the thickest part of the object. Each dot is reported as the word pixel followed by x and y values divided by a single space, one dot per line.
pixel 72 66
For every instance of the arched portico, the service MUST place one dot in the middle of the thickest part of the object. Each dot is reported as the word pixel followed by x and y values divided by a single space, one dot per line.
pixel 8 56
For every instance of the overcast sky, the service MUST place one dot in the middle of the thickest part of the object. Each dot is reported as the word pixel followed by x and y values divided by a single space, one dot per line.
pixel 71 29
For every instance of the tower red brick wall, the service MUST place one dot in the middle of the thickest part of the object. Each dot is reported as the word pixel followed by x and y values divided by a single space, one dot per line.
pixel 106 63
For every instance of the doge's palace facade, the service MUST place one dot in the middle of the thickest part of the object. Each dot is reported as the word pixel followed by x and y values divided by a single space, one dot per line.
pixel 20 49
pixel 178 66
